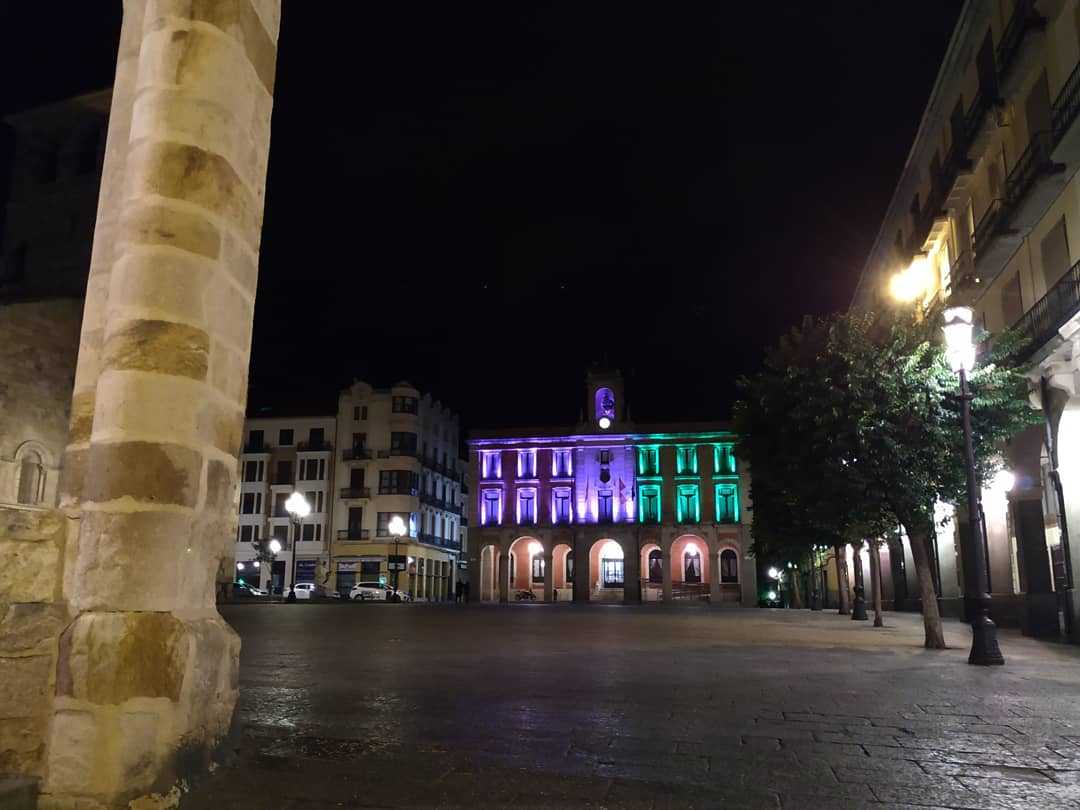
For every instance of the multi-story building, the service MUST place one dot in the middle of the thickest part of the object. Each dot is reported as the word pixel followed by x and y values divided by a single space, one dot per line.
pixel 397 457
pixel 987 215
pixel 609 510
pixel 386 453
pixel 282 455
pixel 44 263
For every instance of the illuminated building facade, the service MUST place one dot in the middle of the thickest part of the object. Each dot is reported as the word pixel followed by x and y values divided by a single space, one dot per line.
pixel 609 510
pixel 987 215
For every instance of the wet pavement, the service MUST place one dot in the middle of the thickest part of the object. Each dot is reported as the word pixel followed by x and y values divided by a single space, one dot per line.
pixel 637 707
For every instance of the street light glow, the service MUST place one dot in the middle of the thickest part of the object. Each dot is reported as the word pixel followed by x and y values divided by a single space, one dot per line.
pixel 914 281
pixel 297 506
pixel 959 350
pixel 774 574
pixel 1004 481
pixel 772 595
pixel 396 526
pixel 605 423
pixel 239 566
pixel 275 546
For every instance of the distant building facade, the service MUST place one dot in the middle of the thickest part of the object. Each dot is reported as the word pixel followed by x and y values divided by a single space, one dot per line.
pixel 987 215
pixel 385 453
pixel 609 510
pixel 44 263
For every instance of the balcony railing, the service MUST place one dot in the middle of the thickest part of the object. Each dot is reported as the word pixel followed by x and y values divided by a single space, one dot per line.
pixel 411 491
pixel 1034 162
pixel 256 447
pixel 987 227
pixel 356 454
pixel 435 540
pixel 1067 104
pixel 398 451
pixel 314 447
pixel 353 534
pixel 352 493
pixel 1024 19
pixel 1040 323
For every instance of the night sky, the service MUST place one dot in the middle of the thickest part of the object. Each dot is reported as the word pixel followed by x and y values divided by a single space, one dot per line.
pixel 484 198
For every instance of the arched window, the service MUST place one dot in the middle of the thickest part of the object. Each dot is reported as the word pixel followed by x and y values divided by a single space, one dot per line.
pixel 611 565
pixel 729 566
pixel 31 477
pixel 692 566
pixel 656 565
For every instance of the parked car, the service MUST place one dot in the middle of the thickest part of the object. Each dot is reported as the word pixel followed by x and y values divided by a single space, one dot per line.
pixel 366 591
pixel 245 590
pixel 305 590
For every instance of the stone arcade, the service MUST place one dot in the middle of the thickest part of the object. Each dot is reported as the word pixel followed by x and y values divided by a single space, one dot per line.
pixel 116 671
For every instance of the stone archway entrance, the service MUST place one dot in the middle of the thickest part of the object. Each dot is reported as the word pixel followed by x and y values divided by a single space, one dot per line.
pixel 149 474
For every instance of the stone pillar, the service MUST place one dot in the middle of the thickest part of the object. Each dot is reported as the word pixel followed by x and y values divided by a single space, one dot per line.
pixel 581 568
pixel 631 571
pixel 666 550
pixel 504 576
pixel 1040 617
pixel 549 578
pixel 714 573
pixel 147 676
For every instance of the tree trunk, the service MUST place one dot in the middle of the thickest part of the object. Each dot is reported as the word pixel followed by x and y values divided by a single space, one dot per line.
pixel 842 581
pixel 796 589
pixel 920 551
pixel 875 582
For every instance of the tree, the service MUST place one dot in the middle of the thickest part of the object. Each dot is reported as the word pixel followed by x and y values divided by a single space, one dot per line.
pixel 874 410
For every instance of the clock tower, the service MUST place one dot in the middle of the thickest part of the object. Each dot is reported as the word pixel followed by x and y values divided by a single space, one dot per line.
pixel 605 403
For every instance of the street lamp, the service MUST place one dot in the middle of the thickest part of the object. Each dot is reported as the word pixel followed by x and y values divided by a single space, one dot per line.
pixel 960 352
pixel 298 508
pixel 396 527
pixel 913 281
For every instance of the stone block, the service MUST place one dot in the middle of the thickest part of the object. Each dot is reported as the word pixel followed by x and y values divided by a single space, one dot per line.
pixel 240 261
pixel 220 485
pixel 229 372
pixel 108 658
pixel 24 686
pixel 75 753
pixel 144 471
pixel 22 744
pixel 31 626
pixel 164 347
pixel 148 405
pixel 31 570
pixel 82 417
pixel 18 793
pixel 155 281
pixel 229 313
pixel 146 223
pixel 115 544
pixel 220 425
pixel 138 751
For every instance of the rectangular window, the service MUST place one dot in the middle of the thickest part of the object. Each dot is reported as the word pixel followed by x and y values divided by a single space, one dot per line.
pixel 605 456
pixel 649 504
pixel 561 466
pixel 285 437
pixel 356 521
pixel 253 471
pixel 538 568
pixel 356 478
pixel 404 404
pixel 402 444
pixel 648 460
pixel 526 506
pixel 284 473
pixel 724 459
pixel 363 413
pixel 612 573
pixel 603 504
pixel 398 482
pixel 686 460
pixel 560 506
pixel 687 504
pixel 356 413
pixel 492 508
pixel 359 441
pixel 492 465
pixel 727 503
pixel 251 503
pixel 279 504
pixel 312 469
pixel 245 534
pixel 255 440
pixel 307 533
pixel 526 463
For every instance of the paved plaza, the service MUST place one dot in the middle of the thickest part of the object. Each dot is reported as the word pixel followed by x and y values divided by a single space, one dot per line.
pixel 637 707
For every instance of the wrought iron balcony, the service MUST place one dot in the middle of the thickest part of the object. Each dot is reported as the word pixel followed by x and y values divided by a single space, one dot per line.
pixel 1030 166
pixel 256 447
pixel 352 493
pixel 1042 322
pixel 1063 116
pixel 314 447
pixel 976 116
pixel 1025 19
pixel 356 454
pixel 392 490
pixel 353 534
pixel 987 226
pixel 442 542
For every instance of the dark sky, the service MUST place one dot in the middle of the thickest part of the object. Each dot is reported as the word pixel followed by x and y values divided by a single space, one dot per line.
pixel 484 198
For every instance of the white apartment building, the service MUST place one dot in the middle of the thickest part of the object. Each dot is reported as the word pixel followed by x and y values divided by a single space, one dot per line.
pixel 385 453
pixel 282 455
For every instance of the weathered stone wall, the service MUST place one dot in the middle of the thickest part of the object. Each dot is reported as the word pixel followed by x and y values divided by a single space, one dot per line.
pixel 32 616
pixel 38 344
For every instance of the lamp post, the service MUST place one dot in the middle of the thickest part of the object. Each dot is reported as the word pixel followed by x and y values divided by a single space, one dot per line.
pixel 298 509
pixel 275 549
pixel 396 527
pixel 960 352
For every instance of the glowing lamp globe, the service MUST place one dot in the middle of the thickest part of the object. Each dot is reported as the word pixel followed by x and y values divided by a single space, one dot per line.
pixel 275 546
pixel 772 595
pixel 396 526
pixel 774 574
pixel 256 563
pixel 535 548
pixel 1004 481
pixel 239 566
pixel 297 506
pixel 604 423
pixel 959 349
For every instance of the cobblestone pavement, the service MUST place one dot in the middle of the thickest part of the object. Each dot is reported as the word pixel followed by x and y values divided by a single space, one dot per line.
pixel 638 707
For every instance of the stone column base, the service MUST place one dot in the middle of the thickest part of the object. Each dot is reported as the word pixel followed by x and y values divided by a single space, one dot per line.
pixel 142 699
pixel 1040 616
